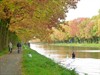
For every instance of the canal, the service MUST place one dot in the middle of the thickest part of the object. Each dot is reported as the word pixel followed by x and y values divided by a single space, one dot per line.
pixel 87 59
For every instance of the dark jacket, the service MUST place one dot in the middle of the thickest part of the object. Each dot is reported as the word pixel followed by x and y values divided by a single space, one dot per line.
pixel 18 44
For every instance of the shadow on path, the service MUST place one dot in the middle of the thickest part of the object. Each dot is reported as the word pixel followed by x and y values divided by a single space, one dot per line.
pixel 10 64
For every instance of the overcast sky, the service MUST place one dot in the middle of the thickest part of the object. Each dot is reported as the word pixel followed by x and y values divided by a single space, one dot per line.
pixel 85 8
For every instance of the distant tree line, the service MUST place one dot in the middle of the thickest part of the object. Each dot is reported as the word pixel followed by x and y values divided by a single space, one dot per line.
pixel 80 30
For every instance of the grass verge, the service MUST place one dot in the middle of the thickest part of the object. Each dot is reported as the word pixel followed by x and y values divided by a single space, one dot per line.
pixel 3 52
pixel 78 44
pixel 40 65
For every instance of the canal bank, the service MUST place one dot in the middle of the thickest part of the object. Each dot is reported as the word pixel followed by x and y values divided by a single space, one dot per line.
pixel 37 64
pixel 95 45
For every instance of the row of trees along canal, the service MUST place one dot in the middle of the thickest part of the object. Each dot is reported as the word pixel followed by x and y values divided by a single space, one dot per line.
pixel 80 30
pixel 25 19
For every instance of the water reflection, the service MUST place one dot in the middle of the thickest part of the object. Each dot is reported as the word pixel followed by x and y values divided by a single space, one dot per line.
pixel 66 51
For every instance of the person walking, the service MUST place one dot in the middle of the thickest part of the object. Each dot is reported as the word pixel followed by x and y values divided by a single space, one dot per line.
pixel 73 55
pixel 28 44
pixel 19 47
pixel 10 47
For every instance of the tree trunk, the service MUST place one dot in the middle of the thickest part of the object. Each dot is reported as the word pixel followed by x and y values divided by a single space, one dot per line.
pixel 4 24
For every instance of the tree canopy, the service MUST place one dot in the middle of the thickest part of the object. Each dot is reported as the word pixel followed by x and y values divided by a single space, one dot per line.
pixel 35 17
pixel 25 19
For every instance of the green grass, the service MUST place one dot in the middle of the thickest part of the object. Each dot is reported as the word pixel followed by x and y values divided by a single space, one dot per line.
pixel 3 52
pixel 78 44
pixel 40 65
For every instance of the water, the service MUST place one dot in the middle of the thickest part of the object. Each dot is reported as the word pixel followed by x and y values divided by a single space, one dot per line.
pixel 87 59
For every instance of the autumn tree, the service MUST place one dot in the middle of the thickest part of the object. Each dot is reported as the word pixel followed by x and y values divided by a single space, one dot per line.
pixel 31 18
pixel 81 30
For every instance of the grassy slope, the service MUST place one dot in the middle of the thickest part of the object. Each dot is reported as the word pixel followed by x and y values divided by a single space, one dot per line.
pixel 79 45
pixel 40 65
pixel 3 52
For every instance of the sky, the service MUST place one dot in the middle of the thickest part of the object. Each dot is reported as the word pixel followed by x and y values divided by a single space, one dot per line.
pixel 85 8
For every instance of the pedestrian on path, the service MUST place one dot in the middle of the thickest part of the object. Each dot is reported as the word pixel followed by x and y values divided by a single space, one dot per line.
pixel 19 47
pixel 28 44
pixel 10 47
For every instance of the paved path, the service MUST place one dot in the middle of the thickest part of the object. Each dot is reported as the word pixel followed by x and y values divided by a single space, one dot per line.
pixel 10 64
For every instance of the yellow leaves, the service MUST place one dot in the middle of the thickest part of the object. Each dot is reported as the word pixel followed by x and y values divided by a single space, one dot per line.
pixel 58 35
pixel 25 24
pixel 38 16
pixel 65 27
pixel 98 25
pixel 14 27
pixel 2 14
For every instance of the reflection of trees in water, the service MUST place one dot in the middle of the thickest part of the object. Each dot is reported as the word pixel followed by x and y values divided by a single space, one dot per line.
pixel 65 51
pixel 88 55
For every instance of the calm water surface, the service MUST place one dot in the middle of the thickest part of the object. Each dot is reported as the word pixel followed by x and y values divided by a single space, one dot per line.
pixel 66 51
